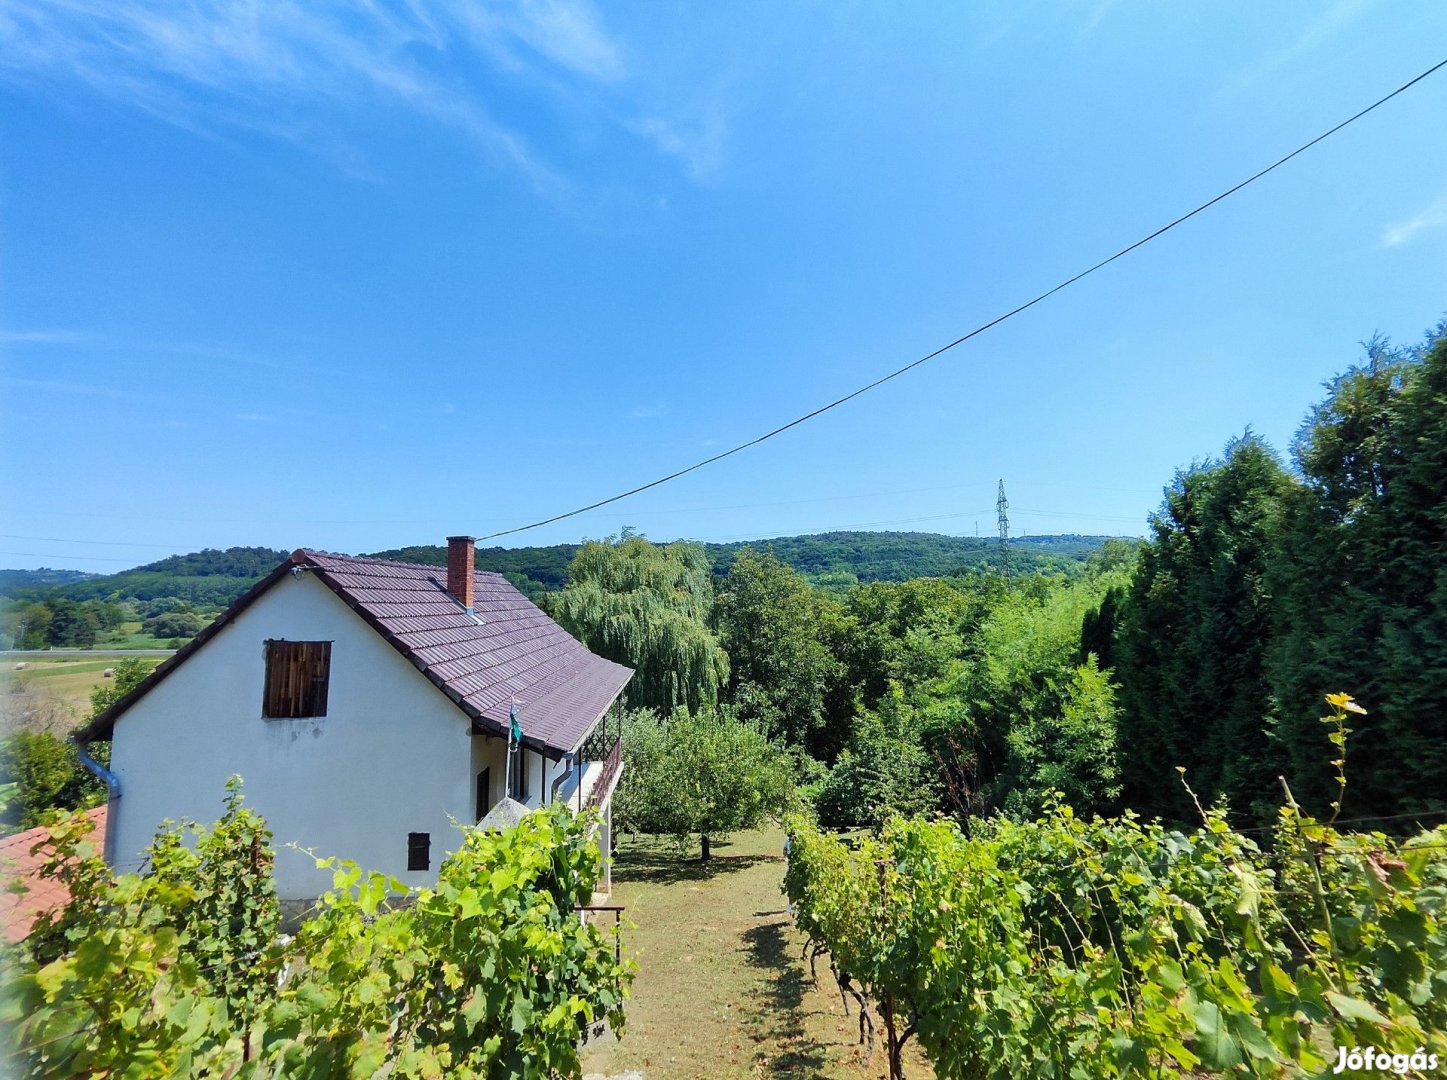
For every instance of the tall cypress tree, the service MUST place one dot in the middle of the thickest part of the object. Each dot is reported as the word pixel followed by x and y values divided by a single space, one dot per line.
pixel 1098 629
pixel 1190 657
pixel 1361 585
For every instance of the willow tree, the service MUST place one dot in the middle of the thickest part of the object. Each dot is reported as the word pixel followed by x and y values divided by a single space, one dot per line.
pixel 647 606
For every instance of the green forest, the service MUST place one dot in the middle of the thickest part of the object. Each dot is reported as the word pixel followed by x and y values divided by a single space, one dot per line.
pixel 159 604
pixel 832 560
pixel 1265 584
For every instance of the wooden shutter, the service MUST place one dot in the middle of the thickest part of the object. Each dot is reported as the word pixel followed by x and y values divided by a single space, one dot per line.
pixel 298 674
pixel 317 666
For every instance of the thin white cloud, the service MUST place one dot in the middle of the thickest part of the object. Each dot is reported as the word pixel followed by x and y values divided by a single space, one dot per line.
pixel 566 32
pixel 648 412
pixel 699 146
pixel 287 67
pixel 1096 16
pixel 1433 217
pixel 59 386
pixel 1334 19
pixel 42 337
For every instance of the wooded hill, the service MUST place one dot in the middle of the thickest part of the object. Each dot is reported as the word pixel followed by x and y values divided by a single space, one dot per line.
pixel 203 578
pixel 833 559
pixel 11 580
pixel 216 577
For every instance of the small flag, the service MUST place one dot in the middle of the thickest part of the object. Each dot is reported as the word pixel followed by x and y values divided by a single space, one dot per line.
pixel 517 729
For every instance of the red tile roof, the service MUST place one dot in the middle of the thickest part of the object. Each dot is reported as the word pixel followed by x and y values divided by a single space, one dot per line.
pixel 18 912
pixel 511 651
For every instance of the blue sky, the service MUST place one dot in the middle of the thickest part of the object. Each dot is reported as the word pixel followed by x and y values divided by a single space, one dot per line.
pixel 354 277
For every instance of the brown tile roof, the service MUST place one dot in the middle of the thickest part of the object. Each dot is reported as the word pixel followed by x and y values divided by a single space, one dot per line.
pixel 18 911
pixel 510 652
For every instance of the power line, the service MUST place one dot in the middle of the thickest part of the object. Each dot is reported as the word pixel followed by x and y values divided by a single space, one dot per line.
pixel 178 546
pixel 1083 517
pixel 47 513
pixel 842 528
pixel 56 555
pixel 104 543
pixel 799 530
pixel 979 329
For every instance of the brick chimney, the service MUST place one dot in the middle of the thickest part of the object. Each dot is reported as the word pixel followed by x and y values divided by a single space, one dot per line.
pixel 460 551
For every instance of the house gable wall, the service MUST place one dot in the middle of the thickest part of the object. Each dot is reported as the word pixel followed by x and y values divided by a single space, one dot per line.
pixel 393 755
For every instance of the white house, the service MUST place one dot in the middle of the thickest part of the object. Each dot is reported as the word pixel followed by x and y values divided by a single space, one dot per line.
pixel 365 703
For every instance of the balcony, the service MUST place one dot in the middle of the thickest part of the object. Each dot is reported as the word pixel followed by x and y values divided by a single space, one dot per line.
pixel 600 759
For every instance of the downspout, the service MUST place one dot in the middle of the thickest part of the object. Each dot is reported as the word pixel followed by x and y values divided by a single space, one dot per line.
pixel 558 781
pixel 113 786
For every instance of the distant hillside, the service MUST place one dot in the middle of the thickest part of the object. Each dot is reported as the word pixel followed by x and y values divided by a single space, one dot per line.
pixel 204 578
pixel 531 569
pixel 11 580
pixel 215 578
pixel 828 558
pixel 898 556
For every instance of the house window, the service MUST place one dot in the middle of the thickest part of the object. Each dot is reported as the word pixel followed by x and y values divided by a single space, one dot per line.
pixel 483 801
pixel 419 851
pixel 520 775
pixel 297 673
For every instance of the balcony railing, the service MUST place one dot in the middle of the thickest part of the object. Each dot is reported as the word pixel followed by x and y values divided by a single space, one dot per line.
pixel 599 743
pixel 604 783
pixel 598 760
pixel 585 910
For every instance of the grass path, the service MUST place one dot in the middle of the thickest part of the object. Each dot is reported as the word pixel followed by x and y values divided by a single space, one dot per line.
pixel 721 990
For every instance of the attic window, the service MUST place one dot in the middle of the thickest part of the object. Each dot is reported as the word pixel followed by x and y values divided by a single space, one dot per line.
pixel 297 674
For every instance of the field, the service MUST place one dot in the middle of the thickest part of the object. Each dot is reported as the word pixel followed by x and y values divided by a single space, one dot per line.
pixel 721 990
pixel 128 636
pixel 56 685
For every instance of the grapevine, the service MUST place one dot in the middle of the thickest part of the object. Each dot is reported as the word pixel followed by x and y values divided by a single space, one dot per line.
pixel 1108 948
pixel 182 971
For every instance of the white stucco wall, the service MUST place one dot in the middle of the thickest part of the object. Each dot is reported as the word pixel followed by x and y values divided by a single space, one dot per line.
pixel 391 756
pixel 489 754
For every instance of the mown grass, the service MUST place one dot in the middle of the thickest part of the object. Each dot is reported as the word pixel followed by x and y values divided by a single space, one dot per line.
pixel 721 989
pixel 67 678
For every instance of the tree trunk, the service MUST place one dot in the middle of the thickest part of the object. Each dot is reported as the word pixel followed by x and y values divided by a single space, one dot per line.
pixel 705 856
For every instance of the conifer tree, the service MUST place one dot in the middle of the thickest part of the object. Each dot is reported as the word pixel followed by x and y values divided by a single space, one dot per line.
pixel 1190 657
pixel 1360 584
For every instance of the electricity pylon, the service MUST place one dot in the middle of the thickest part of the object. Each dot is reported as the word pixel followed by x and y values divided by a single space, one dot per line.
pixel 1002 507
